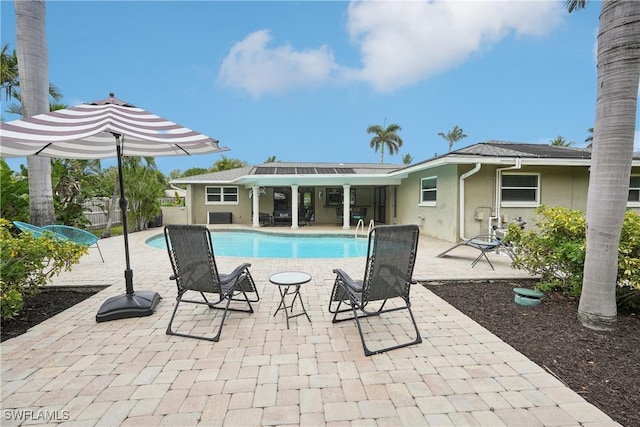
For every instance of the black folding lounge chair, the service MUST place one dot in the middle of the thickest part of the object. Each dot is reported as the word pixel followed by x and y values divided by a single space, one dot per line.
pixel 485 243
pixel 194 269
pixel 390 260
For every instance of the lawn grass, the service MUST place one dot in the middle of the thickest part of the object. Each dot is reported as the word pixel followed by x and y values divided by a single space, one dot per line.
pixel 116 230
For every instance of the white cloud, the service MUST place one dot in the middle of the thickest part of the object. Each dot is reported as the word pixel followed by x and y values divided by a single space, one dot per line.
pixel 403 42
pixel 400 42
pixel 255 67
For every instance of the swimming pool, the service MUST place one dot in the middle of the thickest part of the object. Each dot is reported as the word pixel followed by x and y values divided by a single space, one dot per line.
pixel 261 245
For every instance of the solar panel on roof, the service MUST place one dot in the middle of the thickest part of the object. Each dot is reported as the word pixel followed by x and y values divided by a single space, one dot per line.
pixel 345 170
pixel 307 170
pixel 262 170
pixel 285 170
pixel 326 170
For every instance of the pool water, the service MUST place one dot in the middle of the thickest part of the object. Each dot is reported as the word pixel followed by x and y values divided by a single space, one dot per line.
pixel 261 245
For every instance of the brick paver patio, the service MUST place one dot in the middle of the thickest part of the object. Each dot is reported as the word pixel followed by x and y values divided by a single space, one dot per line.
pixel 74 371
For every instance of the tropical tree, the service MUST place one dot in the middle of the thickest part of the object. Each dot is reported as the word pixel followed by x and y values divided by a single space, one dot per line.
pixel 453 136
pixel 589 139
pixel 561 141
pixel 612 151
pixel 33 69
pixel 193 172
pixel 11 83
pixel 226 163
pixel 144 187
pixel 8 71
pixel 271 159
pixel 14 187
pixel 385 137
pixel 407 159
pixel 73 183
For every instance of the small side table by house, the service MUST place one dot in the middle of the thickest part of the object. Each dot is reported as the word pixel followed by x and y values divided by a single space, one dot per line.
pixel 285 282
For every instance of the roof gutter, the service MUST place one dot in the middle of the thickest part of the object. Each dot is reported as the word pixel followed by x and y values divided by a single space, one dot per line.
pixel 463 177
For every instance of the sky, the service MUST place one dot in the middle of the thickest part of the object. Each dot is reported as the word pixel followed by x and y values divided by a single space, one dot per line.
pixel 303 80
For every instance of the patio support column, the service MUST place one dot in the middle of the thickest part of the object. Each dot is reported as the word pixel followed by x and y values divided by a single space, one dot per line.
pixel 346 206
pixel 255 200
pixel 294 206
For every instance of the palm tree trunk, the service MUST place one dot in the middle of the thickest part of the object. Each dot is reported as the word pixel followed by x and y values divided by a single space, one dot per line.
pixel 618 77
pixel 33 69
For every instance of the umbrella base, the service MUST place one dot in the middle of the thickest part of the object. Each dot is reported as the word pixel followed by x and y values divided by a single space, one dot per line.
pixel 138 304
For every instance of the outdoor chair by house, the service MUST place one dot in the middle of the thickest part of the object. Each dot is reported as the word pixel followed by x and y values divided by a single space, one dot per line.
pixel 485 243
pixel 265 219
pixel 390 261
pixel 76 235
pixel 340 213
pixel 306 216
pixel 195 270
pixel 360 215
pixel 34 230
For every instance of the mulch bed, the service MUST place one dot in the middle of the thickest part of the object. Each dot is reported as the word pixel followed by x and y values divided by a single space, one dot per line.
pixel 42 306
pixel 603 367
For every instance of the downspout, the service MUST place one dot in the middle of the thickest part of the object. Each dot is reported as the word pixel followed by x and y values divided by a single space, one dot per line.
pixel 462 178
pixel 497 216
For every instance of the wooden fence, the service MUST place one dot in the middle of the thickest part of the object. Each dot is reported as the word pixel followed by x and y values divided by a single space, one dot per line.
pixel 95 210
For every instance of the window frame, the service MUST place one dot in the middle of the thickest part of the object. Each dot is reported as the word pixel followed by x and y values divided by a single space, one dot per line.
pixel 223 195
pixel 634 203
pixel 520 203
pixel 423 191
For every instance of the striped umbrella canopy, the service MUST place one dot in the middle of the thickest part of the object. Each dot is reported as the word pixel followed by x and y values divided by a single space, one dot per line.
pixel 89 131
pixel 102 129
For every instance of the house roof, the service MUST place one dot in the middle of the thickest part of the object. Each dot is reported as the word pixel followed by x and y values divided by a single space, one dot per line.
pixel 317 173
pixel 502 152
pixel 276 173
pixel 512 149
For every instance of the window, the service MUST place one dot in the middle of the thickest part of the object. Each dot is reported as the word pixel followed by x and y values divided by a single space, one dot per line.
pixel 221 195
pixel 520 189
pixel 428 191
pixel 634 190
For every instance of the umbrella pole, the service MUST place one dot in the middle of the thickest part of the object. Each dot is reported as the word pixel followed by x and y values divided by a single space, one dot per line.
pixel 128 273
pixel 131 304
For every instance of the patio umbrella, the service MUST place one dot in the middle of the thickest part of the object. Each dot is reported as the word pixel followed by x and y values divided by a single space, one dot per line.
pixel 103 129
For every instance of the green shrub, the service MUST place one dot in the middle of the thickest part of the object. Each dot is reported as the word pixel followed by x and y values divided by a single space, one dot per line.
pixel 28 263
pixel 556 252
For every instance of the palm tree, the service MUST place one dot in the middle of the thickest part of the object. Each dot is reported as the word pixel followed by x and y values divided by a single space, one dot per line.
pixel 271 159
pixel 9 71
pixel 33 69
pixel 385 136
pixel 561 141
pixel 614 128
pixel 11 84
pixel 589 139
pixel 453 136
pixel 407 159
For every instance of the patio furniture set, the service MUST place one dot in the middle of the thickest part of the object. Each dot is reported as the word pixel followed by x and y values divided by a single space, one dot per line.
pixel 390 262
pixel 388 276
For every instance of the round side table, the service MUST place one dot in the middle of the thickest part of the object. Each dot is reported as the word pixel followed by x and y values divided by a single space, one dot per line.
pixel 285 281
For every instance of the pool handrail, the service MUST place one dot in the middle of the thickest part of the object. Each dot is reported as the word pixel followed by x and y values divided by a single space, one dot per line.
pixel 371 226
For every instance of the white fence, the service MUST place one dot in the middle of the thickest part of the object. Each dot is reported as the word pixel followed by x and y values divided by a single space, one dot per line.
pixel 95 210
